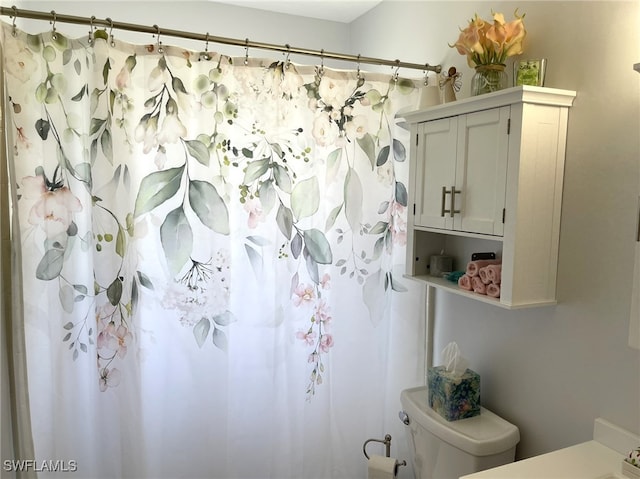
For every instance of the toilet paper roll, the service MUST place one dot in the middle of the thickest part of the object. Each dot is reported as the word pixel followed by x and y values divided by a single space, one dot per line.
pixel 381 467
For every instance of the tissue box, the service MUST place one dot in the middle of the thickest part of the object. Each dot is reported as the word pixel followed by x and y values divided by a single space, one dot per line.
pixel 631 464
pixel 454 397
pixel 632 472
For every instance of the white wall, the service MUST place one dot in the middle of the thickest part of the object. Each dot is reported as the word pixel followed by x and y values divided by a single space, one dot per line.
pixel 552 371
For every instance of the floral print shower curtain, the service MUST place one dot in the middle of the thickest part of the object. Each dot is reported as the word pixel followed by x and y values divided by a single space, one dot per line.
pixel 211 251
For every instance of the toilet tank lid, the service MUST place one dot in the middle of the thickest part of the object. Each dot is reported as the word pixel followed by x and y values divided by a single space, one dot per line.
pixel 481 435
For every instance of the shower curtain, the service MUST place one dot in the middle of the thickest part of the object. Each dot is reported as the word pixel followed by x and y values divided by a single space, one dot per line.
pixel 212 254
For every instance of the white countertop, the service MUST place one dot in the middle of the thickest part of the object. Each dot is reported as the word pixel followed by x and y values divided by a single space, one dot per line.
pixel 600 458
pixel 589 460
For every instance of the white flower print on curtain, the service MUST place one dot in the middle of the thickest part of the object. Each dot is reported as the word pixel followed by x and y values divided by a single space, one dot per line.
pixel 200 238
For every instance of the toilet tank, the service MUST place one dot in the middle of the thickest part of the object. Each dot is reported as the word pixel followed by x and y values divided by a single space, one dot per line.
pixel 448 450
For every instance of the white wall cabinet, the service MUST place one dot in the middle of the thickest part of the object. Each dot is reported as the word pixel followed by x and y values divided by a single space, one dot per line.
pixel 462 169
pixel 486 174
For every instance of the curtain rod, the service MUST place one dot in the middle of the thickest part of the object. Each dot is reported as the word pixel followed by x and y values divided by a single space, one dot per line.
pixel 54 17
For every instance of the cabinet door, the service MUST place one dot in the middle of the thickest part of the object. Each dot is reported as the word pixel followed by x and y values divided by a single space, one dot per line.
pixel 481 171
pixel 435 170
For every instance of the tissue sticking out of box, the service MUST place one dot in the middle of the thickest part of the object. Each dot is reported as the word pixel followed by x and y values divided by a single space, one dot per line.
pixel 453 361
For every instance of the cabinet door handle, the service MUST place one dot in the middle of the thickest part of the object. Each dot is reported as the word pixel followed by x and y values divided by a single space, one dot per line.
pixel 454 192
pixel 443 201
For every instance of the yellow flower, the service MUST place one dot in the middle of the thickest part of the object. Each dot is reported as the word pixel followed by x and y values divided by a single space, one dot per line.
pixel 485 43
pixel 506 37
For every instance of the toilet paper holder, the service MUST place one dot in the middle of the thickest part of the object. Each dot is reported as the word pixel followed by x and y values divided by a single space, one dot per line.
pixel 387 448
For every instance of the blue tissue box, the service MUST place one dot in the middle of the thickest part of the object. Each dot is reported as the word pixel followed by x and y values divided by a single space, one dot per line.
pixel 454 397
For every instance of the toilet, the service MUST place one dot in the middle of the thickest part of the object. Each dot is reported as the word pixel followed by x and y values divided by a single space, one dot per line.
pixel 448 450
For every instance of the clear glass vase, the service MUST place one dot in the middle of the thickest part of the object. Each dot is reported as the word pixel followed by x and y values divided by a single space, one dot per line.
pixel 488 78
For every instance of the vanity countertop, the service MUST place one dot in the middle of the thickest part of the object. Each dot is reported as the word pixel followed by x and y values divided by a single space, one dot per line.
pixel 589 460
pixel 600 458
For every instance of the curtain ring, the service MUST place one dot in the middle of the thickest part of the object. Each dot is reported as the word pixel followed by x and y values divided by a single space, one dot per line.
pixel 91 30
pixel 358 74
pixel 112 42
pixel 426 76
pixel 54 35
pixel 321 68
pixel 13 26
pixel 396 74
pixel 286 60
pixel 205 55
pixel 158 42
pixel 246 51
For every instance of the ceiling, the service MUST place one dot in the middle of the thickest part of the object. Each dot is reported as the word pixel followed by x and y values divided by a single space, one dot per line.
pixel 344 11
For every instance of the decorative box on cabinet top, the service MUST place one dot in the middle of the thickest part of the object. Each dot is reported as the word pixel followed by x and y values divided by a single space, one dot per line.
pixel 486 175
